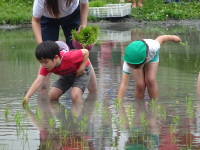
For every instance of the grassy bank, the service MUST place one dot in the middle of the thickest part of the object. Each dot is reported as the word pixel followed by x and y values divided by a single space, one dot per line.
pixel 20 11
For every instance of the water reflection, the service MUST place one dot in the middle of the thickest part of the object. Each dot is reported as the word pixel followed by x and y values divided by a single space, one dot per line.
pixel 100 122
pixel 61 127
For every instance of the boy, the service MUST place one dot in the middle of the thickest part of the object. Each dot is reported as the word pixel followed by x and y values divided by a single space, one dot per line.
pixel 142 58
pixel 73 68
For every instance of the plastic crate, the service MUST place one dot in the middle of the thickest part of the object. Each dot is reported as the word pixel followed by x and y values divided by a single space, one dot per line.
pixel 111 10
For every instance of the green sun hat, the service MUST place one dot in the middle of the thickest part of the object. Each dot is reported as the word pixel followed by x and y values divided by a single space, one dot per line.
pixel 135 52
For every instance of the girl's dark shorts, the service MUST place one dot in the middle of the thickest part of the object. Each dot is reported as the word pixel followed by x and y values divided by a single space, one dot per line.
pixel 66 82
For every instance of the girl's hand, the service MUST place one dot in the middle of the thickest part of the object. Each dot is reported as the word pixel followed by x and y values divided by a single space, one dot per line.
pixel 25 101
pixel 176 39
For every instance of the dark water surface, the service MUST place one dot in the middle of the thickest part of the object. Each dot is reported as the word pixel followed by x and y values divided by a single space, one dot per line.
pixel 172 122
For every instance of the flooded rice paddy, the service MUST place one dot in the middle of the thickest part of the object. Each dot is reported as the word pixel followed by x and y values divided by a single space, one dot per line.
pixel 172 122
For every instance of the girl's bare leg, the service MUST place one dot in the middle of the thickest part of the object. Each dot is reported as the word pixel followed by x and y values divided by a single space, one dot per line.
pixel 150 79
pixel 140 86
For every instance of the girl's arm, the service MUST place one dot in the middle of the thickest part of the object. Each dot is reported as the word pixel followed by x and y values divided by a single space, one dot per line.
pixel 37 29
pixel 123 86
pixel 34 87
pixel 164 38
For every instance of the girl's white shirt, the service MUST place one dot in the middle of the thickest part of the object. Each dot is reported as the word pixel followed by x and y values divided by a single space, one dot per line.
pixel 40 10
pixel 154 46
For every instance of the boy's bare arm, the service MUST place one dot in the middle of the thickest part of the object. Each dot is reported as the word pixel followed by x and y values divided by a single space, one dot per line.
pixel 34 87
pixel 123 86
pixel 81 69
pixel 164 38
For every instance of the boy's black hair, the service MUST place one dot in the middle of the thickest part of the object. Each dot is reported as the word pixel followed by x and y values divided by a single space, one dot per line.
pixel 47 50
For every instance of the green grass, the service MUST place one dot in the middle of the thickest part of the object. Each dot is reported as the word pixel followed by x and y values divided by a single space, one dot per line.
pixel 16 12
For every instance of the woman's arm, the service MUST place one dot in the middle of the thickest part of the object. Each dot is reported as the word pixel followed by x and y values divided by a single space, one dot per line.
pixel 84 15
pixel 36 26
pixel 164 38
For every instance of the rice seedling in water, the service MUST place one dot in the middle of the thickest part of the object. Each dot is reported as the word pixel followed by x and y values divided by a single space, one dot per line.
pixel 38 114
pixel 83 124
pixel 26 105
pixel 18 118
pixel 117 103
pixel 130 115
pixel 176 120
pixel 47 144
pixel 153 103
pixel 173 127
pixel 162 112
pixel 52 122
pixel 172 132
pixel 24 133
pixel 121 123
pixel 6 112
pixel 190 109
pixel 61 128
pixel 97 105
pixel 64 135
pixel 74 117
pixel 105 115
pixel 115 118
pixel 130 111
pixel 183 44
pixel 66 112
pixel 144 121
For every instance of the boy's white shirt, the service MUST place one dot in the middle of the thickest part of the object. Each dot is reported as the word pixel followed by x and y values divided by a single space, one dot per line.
pixel 39 9
pixel 154 46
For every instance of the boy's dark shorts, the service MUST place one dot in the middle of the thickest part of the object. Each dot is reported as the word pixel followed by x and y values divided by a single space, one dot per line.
pixel 66 82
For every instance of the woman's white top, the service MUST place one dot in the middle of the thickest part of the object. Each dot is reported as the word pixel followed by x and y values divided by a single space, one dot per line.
pixel 40 10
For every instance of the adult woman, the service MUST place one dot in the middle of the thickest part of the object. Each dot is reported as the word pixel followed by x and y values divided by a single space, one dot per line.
pixel 50 15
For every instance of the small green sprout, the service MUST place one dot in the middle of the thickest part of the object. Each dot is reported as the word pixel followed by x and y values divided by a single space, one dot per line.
pixel 184 44
pixel 6 113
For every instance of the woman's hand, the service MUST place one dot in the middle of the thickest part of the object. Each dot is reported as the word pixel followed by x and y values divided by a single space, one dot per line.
pixel 81 27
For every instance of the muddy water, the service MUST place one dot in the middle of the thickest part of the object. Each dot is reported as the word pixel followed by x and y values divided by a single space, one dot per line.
pixel 99 123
